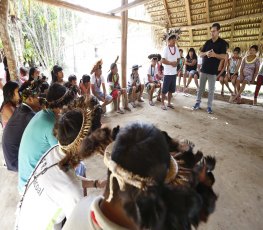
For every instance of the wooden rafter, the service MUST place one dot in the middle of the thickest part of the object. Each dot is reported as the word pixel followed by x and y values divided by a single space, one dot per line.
pixel 233 14
pixel 207 16
pixel 260 32
pixel 189 20
pixel 223 22
pixel 127 6
pixel 167 13
pixel 86 10
pixel 188 12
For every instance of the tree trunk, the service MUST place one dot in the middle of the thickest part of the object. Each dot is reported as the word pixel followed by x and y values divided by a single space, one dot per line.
pixel 4 34
pixel 16 31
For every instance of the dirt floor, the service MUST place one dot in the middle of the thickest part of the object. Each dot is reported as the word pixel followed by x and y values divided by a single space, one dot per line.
pixel 233 134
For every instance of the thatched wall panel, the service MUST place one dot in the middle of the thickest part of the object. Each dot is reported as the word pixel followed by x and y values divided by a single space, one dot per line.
pixel 198 5
pixel 196 1
pixel 198 11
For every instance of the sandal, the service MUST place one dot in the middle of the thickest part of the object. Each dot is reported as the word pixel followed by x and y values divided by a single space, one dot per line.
pixel 133 104
pixel 127 108
pixel 151 103
pixel 164 107
pixel 120 111
pixel 170 106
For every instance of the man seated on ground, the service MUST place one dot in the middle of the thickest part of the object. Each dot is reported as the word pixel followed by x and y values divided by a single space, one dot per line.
pixel 135 86
pixel 153 79
pixel 97 80
pixel 17 123
pixel 115 89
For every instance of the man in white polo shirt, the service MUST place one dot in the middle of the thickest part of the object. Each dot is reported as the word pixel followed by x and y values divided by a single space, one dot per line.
pixel 169 61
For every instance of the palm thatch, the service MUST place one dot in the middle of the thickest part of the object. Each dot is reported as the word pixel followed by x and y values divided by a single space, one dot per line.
pixel 241 20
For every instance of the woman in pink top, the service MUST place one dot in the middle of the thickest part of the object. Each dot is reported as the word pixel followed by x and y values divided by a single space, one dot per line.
pixel 11 100
pixel 248 71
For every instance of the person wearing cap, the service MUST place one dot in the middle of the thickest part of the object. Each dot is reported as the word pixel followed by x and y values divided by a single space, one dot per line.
pixel 16 125
pixel 135 86
pixel 115 89
pixel 97 80
pixel 153 79
pixel 170 58
pixel 38 136
pixel 57 75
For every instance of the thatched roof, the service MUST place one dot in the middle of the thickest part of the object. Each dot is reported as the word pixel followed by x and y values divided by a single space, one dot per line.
pixel 241 20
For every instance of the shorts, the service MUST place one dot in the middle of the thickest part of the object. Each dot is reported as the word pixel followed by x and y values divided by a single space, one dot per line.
pixel 246 78
pixel 231 74
pixel 169 84
pixel 192 72
pixel 222 75
pixel 107 97
pixel 138 89
pixel 148 84
pixel 115 93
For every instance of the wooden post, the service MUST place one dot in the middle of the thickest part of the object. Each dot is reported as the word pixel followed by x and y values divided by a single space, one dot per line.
pixel 4 35
pixel 124 32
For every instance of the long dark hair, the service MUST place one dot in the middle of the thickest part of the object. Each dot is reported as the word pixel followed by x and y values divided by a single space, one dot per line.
pixel 31 73
pixel 194 54
pixel 8 93
pixel 54 73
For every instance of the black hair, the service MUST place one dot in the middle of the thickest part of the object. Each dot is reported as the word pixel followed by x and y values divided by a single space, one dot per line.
pixel 9 92
pixel 57 91
pixel 180 50
pixel 113 65
pixel 72 77
pixel 254 47
pixel 172 37
pixel 85 78
pixel 68 126
pixel 237 49
pixel 23 71
pixel 217 25
pixel 31 73
pixel 54 73
pixel 160 207
pixel 194 54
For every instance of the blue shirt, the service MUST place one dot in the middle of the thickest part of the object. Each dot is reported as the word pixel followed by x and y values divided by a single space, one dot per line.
pixel 36 140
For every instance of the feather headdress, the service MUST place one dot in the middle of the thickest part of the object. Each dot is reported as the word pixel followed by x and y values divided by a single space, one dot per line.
pixel 97 65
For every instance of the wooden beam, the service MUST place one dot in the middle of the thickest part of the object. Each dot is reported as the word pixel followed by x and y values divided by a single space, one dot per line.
pixel 207 17
pixel 233 14
pixel 260 32
pixel 207 10
pixel 227 21
pixel 86 10
pixel 191 37
pixel 189 20
pixel 127 6
pixel 124 33
pixel 188 12
pixel 167 13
